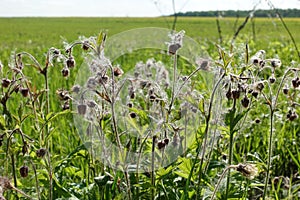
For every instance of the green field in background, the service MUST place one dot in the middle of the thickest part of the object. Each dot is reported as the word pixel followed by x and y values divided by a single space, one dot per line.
pixel 36 33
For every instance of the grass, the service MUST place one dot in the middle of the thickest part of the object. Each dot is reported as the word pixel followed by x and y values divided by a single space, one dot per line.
pixel 253 146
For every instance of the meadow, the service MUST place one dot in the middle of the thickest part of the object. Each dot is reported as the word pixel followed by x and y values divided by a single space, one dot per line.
pixel 226 129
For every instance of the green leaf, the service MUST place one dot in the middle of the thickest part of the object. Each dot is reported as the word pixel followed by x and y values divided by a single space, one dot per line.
pixel 294 159
pixel 100 38
pixel 2 123
pixel 101 180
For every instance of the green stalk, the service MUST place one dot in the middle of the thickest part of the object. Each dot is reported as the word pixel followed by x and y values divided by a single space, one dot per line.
pixel 231 133
pixel 207 120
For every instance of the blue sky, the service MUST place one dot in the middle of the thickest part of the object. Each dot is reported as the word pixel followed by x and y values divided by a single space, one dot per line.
pixel 123 8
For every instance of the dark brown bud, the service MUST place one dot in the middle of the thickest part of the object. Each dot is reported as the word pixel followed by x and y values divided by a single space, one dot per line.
pixel 56 52
pixel 130 104
pixel 295 82
pixel 173 48
pixel 166 141
pixel 62 94
pixel 257 120
pixel 41 152
pixel 118 71
pixel 161 144
pixel 285 90
pixel 132 115
pixel 5 82
pixel 259 86
pixel 91 104
pixel 76 89
pixel 24 171
pixel 229 94
pixel 81 109
pixel 66 105
pixel 70 62
pixel 254 93
pixel 131 93
pixel 152 98
pixel 65 72
pixel 245 102
pixel 25 148
pixel 272 79
pixel 85 45
pixel 24 92
pixel 235 94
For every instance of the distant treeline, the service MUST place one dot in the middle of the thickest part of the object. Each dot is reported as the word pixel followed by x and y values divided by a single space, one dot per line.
pixel 242 13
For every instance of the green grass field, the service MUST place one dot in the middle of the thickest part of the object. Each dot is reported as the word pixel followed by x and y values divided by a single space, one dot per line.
pixel 243 122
